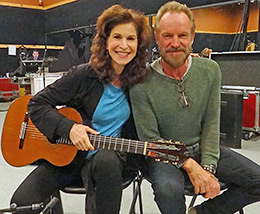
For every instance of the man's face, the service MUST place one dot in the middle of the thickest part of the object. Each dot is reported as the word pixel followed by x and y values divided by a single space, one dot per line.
pixel 35 54
pixel 174 38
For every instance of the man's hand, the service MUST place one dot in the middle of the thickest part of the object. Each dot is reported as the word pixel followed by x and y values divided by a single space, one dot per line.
pixel 79 137
pixel 203 181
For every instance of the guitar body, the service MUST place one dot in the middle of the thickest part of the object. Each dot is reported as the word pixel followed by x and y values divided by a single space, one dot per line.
pixel 35 145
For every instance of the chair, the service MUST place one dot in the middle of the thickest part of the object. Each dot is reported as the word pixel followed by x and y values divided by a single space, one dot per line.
pixel 137 180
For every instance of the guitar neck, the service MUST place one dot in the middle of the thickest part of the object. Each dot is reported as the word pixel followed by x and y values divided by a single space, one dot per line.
pixel 113 143
pixel 117 144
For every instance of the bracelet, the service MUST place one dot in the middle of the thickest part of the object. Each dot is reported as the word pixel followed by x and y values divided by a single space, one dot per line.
pixel 213 176
pixel 210 168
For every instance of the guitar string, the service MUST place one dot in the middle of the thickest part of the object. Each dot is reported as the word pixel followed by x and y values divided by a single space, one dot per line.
pixel 37 135
pixel 35 132
pixel 133 145
pixel 31 129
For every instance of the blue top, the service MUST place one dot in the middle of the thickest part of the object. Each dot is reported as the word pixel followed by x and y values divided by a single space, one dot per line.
pixel 111 113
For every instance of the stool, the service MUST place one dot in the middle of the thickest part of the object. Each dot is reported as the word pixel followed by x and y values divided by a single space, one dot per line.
pixel 137 180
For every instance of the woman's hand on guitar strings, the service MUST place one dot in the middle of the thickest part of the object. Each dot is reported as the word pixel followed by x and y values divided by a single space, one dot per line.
pixel 79 137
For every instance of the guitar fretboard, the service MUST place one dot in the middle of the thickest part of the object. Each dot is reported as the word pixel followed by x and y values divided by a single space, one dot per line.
pixel 112 143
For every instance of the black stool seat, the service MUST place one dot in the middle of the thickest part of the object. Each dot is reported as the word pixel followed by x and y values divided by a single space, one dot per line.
pixel 74 190
pixel 79 189
pixel 189 190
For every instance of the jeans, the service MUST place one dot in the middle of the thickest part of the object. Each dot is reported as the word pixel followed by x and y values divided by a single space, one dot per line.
pixel 239 173
pixel 107 172
pixel 42 183
pixel 102 178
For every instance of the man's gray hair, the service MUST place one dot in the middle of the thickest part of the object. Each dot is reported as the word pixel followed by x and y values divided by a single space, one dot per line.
pixel 174 7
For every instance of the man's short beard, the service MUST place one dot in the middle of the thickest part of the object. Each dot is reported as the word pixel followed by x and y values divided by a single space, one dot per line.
pixel 177 61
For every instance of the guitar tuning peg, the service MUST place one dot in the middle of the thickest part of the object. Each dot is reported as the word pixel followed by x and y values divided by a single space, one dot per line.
pixel 157 159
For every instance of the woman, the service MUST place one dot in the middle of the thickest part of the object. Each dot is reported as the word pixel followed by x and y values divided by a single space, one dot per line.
pixel 98 91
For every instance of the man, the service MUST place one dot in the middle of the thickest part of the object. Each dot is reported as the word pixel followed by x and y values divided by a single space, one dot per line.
pixel 35 55
pixel 180 100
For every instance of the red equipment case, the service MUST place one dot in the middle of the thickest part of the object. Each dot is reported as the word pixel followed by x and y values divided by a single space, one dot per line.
pixel 8 89
pixel 251 112
pixel 251 108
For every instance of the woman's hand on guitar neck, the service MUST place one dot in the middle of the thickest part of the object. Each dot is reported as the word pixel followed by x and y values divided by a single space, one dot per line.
pixel 79 137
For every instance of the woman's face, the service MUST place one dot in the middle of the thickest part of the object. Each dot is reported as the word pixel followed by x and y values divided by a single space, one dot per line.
pixel 122 45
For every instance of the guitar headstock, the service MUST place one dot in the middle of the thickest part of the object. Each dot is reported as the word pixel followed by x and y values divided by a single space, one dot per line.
pixel 168 151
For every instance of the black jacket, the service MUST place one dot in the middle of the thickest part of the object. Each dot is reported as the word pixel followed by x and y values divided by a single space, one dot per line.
pixel 80 89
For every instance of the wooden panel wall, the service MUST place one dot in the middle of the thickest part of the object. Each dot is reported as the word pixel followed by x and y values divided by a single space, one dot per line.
pixel 224 19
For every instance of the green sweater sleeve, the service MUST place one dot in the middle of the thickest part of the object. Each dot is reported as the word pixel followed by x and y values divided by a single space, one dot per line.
pixel 211 123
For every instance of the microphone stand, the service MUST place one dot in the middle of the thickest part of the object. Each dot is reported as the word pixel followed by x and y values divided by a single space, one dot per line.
pixel 14 208
pixel 50 205
pixel 42 70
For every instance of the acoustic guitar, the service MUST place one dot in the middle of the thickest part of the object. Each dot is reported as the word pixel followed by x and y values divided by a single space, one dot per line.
pixel 22 143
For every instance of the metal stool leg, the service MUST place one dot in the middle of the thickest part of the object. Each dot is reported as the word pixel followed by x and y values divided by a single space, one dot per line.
pixel 140 196
pixel 193 200
pixel 136 193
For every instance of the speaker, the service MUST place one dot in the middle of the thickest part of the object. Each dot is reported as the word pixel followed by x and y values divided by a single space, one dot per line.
pixel 231 118
pixel 239 68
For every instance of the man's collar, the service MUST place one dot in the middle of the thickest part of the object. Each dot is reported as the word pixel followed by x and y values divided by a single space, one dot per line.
pixel 157 65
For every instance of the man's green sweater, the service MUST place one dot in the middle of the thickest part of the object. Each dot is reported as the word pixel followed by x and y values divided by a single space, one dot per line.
pixel 160 114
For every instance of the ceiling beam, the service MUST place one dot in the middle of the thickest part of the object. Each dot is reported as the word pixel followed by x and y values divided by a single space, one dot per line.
pixel 32 4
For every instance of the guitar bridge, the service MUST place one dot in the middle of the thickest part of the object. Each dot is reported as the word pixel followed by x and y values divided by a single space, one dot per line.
pixel 23 130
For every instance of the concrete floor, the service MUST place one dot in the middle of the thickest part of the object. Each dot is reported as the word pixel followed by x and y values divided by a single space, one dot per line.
pixel 11 177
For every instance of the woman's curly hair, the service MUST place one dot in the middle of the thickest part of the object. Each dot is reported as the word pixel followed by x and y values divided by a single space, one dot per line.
pixel 100 60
